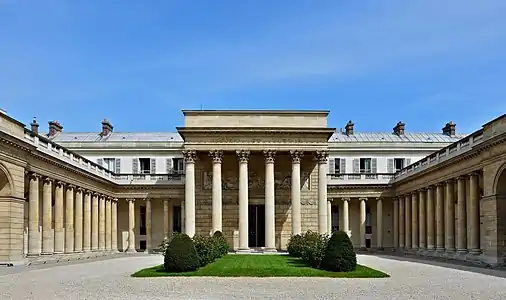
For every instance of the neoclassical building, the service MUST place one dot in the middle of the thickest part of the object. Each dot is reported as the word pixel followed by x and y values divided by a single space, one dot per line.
pixel 257 176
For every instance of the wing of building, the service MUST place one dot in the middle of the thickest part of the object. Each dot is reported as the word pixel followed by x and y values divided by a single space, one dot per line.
pixel 257 176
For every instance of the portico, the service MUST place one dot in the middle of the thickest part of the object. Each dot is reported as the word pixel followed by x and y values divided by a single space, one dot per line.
pixel 243 163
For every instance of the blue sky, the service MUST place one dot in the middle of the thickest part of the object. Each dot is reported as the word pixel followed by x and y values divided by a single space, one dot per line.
pixel 138 63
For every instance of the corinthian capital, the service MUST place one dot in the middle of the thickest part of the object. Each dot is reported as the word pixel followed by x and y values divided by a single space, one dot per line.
pixel 296 156
pixel 217 156
pixel 190 156
pixel 269 156
pixel 243 155
pixel 321 156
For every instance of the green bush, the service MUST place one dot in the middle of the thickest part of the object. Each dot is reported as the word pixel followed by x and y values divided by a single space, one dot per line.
pixel 165 243
pixel 181 255
pixel 206 249
pixel 221 243
pixel 295 245
pixel 339 254
pixel 314 247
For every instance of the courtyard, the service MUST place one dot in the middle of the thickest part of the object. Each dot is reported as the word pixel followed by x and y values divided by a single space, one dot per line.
pixel 111 279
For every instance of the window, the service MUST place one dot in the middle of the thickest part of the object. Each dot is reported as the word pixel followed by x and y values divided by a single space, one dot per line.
pixel 178 164
pixel 398 164
pixel 142 226
pixel 337 166
pixel 365 165
pixel 145 165
pixel 176 219
pixel 110 164
pixel 335 218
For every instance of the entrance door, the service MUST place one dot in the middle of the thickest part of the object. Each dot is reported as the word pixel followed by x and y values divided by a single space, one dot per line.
pixel 256 225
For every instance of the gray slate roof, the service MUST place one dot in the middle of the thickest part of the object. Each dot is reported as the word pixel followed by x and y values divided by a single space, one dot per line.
pixel 408 137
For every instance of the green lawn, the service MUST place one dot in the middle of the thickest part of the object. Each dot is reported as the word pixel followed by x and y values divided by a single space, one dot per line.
pixel 262 266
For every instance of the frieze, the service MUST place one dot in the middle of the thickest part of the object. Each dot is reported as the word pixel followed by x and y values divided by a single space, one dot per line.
pixel 230 181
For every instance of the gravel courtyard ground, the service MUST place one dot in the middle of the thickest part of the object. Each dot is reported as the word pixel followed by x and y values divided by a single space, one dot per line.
pixel 110 279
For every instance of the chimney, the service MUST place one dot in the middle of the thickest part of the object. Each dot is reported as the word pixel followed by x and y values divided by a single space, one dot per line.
pixel 54 128
pixel 399 128
pixel 106 127
pixel 349 128
pixel 450 129
pixel 35 126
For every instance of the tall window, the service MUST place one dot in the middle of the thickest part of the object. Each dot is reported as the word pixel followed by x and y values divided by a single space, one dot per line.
pixel 142 226
pixel 365 165
pixel 110 164
pixel 176 219
pixel 398 164
pixel 145 165
pixel 178 164
pixel 337 166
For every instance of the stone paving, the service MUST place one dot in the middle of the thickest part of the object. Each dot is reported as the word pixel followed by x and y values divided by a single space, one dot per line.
pixel 110 279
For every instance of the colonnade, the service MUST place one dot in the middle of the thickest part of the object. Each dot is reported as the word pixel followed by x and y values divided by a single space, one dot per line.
pixel 426 219
pixel 84 220
pixel 243 159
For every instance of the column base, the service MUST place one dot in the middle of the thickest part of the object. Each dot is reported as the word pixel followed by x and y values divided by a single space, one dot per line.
pixel 440 250
pixel 46 253
pixel 29 255
pixel 461 251
pixel 131 251
pixel 87 250
pixel 270 250
pixel 58 252
pixel 475 251
pixel 243 251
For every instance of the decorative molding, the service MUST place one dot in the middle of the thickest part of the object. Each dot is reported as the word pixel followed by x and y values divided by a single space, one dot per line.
pixel 190 156
pixel 347 199
pixel 296 156
pixel 79 190
pixel 70 186
pixel 269 155
pixel 130 199
pixel 308 201
pixel 243 155
pixel 217 156
pixel 230 180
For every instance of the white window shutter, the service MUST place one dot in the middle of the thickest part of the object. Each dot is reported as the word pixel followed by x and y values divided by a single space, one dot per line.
pixel 153 166
pixel 374 165
pixel 168 165
pixel 100 162
pixel 117 165
pixel 343 165
pixel 135 165
pixel 407 162
pixel 356 165
pixel 332 165
pixel 390 165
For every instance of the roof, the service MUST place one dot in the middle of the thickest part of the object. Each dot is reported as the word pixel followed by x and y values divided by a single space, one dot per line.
pixel 357 137
pixel 409 137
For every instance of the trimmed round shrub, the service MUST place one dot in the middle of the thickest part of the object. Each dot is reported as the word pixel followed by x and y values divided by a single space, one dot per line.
pixel 206 249
pixel 314 248
pixel 181 255
pixel 339 254
pixel 295 245
pixel 222 246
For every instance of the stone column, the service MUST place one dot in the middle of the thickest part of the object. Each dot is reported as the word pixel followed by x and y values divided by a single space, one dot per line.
pixel 190 157
pixel 94 222
pixel 69 219
pixel 474 212
pixel 270 202
pixel 461 215
pixel 243 156
pixel 47 217
pixel 329 216
pixel 78 223
pixel 422 232
pixel 59 235
pixel 108 224
pixel 362 222
pixel 149 241
pixel 346 216
pixel 379 224
pixel 321 156
pixel 34 246
pixel 217 199
pixel 114 225
pixel 101 223
pixel 131 226
pixel 402 224
pixel 165 218
pixel 295 191
pixel 407 206
pixel 87 222
pixel 440 225
pixel 430 219
pixel 396 223
pixel 450 216
pixel 414 220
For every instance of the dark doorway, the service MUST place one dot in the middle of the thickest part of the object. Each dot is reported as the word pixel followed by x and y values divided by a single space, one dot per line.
pixel 256 225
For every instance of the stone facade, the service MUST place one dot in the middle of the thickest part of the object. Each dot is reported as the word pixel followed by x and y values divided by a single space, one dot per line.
pixel 263 170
